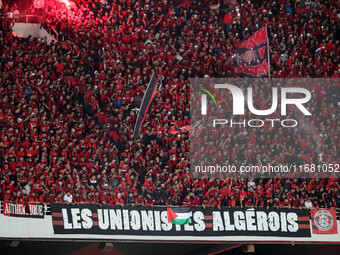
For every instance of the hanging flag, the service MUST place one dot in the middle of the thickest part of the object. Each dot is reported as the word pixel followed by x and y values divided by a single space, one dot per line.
pixel 324 221
pixel 251 57
pixel 179 215
pixel 150 94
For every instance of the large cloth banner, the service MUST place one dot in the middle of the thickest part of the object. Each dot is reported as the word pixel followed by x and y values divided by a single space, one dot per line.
pixel 251 57
pixel 148 221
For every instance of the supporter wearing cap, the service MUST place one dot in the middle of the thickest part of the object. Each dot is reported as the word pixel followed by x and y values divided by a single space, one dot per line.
pixel 308 203
pixel 119 200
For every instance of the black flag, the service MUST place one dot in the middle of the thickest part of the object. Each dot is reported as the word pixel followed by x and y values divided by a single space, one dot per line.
pixel 151 92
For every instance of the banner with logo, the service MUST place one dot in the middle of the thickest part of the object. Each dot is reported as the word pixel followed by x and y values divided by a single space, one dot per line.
pixel 251 57
pixel 324 221
pixel 150 94
pixel 148 221
pixel 20 210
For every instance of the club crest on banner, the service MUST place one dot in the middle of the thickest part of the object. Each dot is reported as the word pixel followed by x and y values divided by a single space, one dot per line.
pixel 323 220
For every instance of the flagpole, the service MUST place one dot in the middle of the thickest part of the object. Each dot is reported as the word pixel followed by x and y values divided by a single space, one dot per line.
pixel 268 52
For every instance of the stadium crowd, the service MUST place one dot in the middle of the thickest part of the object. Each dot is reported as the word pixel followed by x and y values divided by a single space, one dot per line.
pixel 68 109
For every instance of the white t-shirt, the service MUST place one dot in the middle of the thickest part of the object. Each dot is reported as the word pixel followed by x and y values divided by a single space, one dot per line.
pixel 308 204
pixel 68 198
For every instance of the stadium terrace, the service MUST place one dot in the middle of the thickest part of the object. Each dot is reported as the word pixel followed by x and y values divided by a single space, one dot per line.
pixel 68 108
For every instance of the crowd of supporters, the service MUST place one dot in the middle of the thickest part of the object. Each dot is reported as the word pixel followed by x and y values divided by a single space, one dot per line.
pixel 68 109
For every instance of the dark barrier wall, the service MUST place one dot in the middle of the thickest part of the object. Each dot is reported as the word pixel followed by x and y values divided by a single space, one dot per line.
pixel 147 221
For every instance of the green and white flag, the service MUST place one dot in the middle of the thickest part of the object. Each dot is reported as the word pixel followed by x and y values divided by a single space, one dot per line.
pixel 179 215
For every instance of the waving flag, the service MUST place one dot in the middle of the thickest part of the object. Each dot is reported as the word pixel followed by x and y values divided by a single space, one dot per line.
pixel 251 57
pixel 150 94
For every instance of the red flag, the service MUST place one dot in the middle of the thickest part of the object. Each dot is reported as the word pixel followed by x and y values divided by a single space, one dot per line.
pixel 324 221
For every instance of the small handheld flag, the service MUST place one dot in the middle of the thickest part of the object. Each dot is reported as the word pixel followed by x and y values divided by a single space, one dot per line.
pixel 179 215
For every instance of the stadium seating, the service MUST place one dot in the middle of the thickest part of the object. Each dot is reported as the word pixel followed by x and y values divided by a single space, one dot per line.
pixel 68 109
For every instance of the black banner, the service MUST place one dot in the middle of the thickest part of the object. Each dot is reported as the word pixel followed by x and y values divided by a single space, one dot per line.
pixel 251 57
pixel 150 94
pixel 23 210
pixel 149 221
